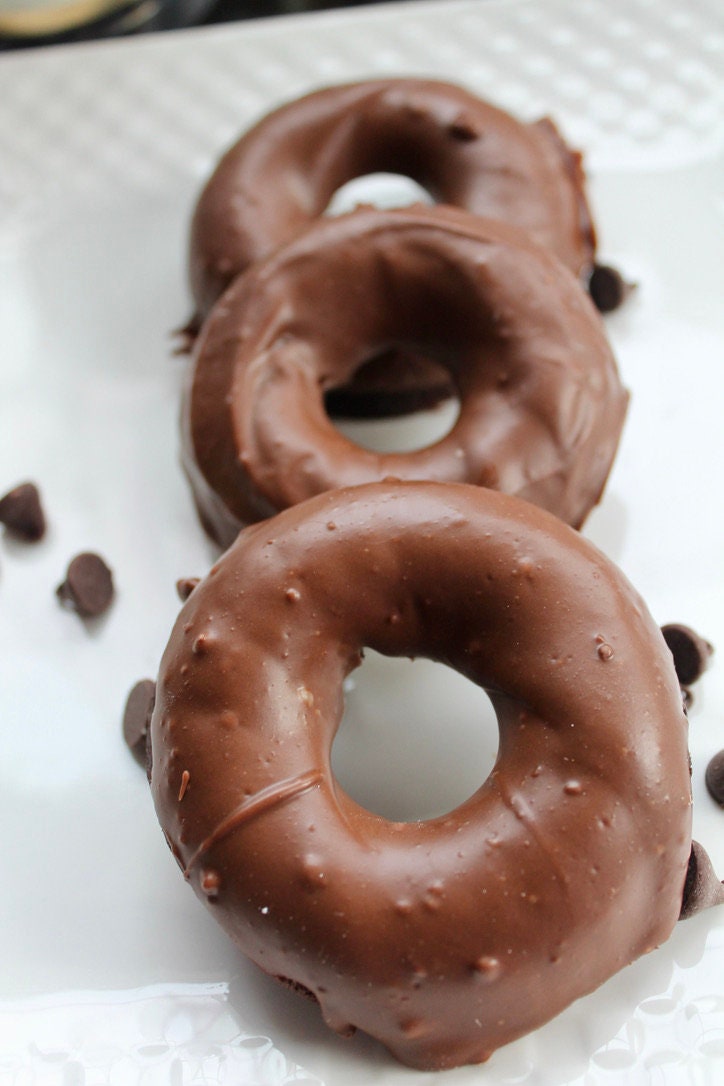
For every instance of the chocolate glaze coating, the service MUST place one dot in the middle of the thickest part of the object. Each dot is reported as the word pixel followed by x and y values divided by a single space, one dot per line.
pixel 542 405
pixel 281 175
pixel 449 937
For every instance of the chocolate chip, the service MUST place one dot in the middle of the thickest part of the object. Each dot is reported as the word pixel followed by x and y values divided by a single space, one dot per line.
pixel 608 288
pixel 137 718
pixel 714 778
pixel 185 586
pixel 702 888
pixel 690 651
pixel 88 585
pixel 22 513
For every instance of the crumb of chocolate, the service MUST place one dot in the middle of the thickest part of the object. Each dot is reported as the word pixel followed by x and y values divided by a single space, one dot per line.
pixel 462 128
pixel 137 718
pixel 88 585
pixel 702 888
pixel 185 586
pixel 608 288
pixel 186 337
pixel 690 651
pixel 297 986
pixel 21 512
pixel 714 778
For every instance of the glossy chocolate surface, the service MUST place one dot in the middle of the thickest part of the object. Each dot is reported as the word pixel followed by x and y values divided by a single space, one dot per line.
pixel 541 402
pixel 449 937
pixel 282 174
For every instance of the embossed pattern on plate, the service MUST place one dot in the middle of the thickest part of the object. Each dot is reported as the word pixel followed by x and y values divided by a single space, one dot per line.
pixel 639 83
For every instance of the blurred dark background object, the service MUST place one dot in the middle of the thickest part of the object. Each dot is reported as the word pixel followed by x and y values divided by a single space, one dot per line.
pixel 24 23
pixel 229 10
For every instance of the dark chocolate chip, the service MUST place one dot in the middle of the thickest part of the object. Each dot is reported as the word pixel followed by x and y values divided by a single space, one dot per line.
pixel 137 717
pixel 702 888
pixel 185 587
pixel 88 585
pixel 22 513
pixel 690 651
pixel 714 778
pixel 608 288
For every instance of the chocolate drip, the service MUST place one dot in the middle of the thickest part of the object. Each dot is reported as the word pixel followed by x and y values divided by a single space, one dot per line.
pixel 280 792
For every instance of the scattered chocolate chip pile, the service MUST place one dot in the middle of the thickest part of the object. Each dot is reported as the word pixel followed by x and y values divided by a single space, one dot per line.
pixel 137 717
pixel 608 288
pixel 702 889
pixel 88 585
pixel 21 512
pixel 185 586
pixel 714 778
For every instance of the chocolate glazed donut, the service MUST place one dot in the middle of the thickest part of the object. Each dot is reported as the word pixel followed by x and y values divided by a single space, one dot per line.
pixel 449 937
pixel 280 177
pixel 541 404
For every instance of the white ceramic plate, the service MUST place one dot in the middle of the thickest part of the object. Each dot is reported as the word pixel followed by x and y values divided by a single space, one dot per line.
pixel 111 971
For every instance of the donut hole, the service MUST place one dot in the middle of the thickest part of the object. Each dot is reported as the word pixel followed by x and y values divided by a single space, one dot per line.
pixel 416 739
pixel 417 383
pixel 380 189
pixel 401 433
pixel 389 385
